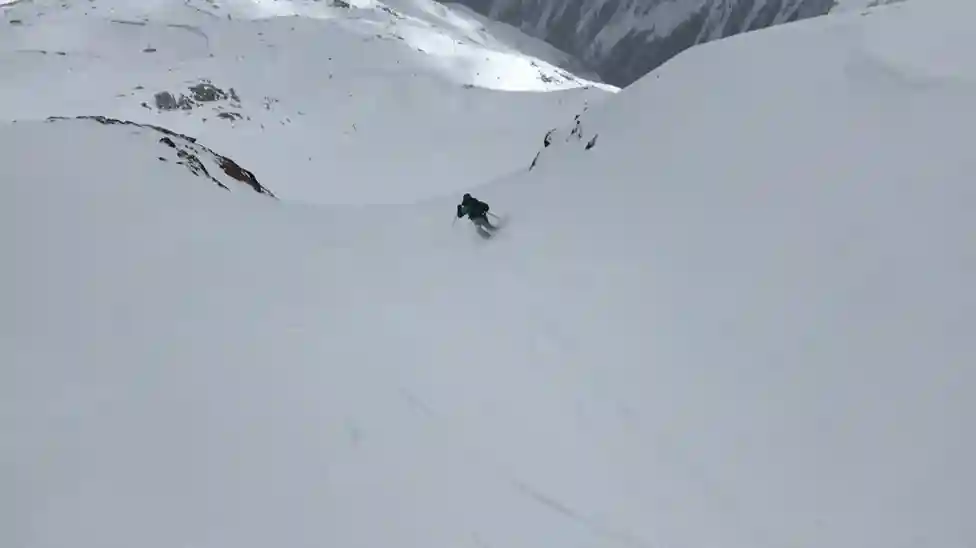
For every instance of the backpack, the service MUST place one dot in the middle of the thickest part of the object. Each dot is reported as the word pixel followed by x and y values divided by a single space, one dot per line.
pixel 473 207
pixel 477 208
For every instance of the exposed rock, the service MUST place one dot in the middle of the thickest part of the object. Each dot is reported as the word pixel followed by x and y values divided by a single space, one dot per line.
pixel 237 172
pixel 190 154
pixel 167 101
pixel 205 92
pixel 201 93
pixel 193 163
pixel 573 134
pixel 391 11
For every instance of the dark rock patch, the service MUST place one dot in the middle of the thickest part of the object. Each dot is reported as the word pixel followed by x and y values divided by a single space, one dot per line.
pixel 189 152
pixel 195 165
pixel 167 101
pixel 234 171
pixel 205 92
pixel 573 133
pixel 200 93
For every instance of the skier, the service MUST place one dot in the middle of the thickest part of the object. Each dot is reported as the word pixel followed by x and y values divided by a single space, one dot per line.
pixel 477 211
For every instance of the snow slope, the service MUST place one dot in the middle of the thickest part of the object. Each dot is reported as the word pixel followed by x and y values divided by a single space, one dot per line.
pixel 744 319
pixel 333 90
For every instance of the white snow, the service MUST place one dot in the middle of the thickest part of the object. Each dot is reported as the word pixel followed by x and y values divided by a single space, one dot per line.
pixel 744 318
pixel 347 101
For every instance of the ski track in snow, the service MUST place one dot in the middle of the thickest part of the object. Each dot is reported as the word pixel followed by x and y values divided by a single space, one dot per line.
pixel 599 530
pixel 524 488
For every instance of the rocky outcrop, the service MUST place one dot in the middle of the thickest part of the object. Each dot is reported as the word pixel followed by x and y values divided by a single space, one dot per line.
pixel 191 154
pixel 201 93
pixel 571 135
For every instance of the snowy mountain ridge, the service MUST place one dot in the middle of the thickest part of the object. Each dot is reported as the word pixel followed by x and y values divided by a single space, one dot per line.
pixel 188 153
pixel 458 47
pixel 624 39
pixel 332 87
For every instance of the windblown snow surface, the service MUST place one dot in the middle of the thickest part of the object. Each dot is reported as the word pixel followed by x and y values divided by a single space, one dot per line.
pixel 742 318
pixel 388 102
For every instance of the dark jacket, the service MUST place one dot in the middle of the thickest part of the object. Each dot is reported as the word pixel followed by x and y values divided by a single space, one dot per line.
pixel 471 207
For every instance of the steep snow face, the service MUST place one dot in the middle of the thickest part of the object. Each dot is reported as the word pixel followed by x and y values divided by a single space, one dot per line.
pixel 742 318
pixel 625 39
pixel 790 239
pixel 375 101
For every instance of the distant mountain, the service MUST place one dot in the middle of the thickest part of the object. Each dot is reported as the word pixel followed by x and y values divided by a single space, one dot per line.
pixel 624 39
